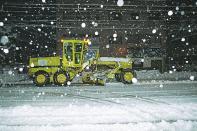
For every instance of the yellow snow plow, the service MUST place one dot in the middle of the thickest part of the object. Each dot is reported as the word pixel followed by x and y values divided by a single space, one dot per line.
pixel 72 62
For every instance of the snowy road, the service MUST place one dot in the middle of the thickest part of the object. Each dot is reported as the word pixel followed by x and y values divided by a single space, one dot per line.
pixel 115 107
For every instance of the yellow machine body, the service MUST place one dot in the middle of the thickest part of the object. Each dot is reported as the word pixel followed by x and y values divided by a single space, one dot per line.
pixel 72 61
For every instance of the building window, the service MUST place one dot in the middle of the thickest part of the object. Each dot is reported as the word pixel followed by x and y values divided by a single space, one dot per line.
pixel 117 40
pixel 154 16
pixel 115 16
pixel 134 16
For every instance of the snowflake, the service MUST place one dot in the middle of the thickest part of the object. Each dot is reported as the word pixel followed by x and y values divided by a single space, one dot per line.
pixel 120 3
pixel 134 80
pixel 32 65
pixel 192 78
pixel 170 13
pixel 6 51
pixel 21 69
pixel 4 40
pixel 68 83
pixel 96 33
pixel 154 31
pixel 182 39
pixel 115 35
pixel 10 72
pixel 39 29
pixel 182 13
pixel 83 25
pixel 17 48
pixel 161 85
pixel 1 24
pixel 107 46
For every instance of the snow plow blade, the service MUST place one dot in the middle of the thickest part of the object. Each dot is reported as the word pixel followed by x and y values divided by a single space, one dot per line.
pixel 89 79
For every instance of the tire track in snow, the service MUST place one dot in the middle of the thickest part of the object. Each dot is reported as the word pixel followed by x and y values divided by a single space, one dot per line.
pixel 108 123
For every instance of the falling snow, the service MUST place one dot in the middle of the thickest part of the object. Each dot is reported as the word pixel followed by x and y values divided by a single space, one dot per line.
pixel 107 46
pixel 83 25
pixel 10 72
pixel 20 69
pixel 120 3
pixel 39 29
pixel 192 78
pixel 182 12
pixel 159 37
pixel 154 31
pixel 134 80
pixel 6 51
pixel 43 1
pixel 170 13
pixel 182 39
pixel 4 40
pixel 68 83
pixel 1 24
pixel 96 33
pixel 115 35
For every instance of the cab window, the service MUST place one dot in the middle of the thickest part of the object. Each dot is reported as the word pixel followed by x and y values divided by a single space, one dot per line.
pixel 78 47
pixel 68 51
pixel 77 58
pixel 78 50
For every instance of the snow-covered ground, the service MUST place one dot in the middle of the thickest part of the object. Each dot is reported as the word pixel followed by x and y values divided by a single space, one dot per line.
pixel 169 106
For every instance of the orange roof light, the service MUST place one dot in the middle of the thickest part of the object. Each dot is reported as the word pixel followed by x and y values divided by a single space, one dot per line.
pixel 88 41
pixel 62 40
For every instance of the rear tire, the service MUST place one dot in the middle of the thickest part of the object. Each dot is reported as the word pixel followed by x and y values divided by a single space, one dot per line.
pixel 127 77
pixel 61 78
pixel 41 78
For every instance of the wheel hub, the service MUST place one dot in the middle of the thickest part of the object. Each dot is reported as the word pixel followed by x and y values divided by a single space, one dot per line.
pixel 128 76
pixel 61 78
pixel 41 78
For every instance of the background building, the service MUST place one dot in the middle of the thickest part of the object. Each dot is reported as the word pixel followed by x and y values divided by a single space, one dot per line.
pixel 182 36
pixel 137 29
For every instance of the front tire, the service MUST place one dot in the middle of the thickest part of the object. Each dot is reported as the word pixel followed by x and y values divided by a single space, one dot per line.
pixel 41 78
pixel 61 78
pixel 127 77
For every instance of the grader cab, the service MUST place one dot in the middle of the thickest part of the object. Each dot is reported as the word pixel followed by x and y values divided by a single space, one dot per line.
pixel 72 60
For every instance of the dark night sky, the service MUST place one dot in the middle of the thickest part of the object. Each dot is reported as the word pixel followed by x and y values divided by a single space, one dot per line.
pixel 36 35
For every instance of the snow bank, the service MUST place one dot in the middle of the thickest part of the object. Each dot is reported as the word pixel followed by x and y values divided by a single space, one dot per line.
pixel 11 76
pixel 156 75
pixel 114 59
pixel 99 118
